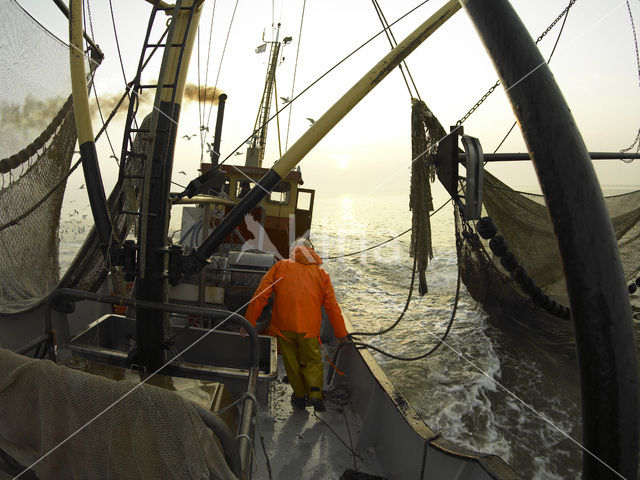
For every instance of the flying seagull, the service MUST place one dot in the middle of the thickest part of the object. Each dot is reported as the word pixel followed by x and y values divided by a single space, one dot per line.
pixel 188 137
pixel 285 99
pixel 238 153
pixel 82 187
pixel 182 172
pixel 311 120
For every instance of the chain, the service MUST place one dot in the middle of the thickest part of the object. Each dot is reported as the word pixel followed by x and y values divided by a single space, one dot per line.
pixel 635 39
pixel 558 18
pixel 90 20
pixel 635 142
pixel 478 103
pixel 635 42
pixel 491 90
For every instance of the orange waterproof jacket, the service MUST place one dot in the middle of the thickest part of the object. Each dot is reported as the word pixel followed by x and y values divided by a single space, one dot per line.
pixel 300 287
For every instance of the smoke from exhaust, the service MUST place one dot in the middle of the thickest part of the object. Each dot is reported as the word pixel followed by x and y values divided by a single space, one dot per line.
pixel 194 93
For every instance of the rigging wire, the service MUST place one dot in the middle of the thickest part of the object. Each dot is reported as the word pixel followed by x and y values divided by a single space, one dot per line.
pixel 431 351
pixel 275 94
pixel 106 132
pixel 495 85
pixel 224 49
pixel 206 82
pixel 63 180
pixel 636 141
pixel 115 34
pixel 564 21
pixel 324 75
pixel 295 71
pixel 413 276
pixel 386 241
pixel 393 42
pixel 199 95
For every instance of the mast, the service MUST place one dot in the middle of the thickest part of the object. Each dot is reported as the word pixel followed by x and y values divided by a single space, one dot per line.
pixel 255 153
pixel 197 259
pixel 152 282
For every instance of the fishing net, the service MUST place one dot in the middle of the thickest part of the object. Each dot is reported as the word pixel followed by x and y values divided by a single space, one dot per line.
pixel 523 220
pixel 420 200
pixel 36 145
pixel 115 430
pixel 89 268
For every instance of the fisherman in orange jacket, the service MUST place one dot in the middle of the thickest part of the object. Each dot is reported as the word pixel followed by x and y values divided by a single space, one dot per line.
pixel 300 288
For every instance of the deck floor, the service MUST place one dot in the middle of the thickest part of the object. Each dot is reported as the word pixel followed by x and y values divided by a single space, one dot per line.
pixel 305 445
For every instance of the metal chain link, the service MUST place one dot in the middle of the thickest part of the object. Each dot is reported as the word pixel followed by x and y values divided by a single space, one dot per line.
pixel 636 142
pixel 491 90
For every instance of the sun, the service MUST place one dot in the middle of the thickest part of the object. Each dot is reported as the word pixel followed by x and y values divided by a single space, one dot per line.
pixel 342 160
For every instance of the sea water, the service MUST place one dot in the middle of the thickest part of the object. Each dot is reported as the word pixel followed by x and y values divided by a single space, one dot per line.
pixel 493 390
pixel 483 389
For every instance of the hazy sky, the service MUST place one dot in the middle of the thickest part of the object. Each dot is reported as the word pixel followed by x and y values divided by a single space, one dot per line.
pixel 594 64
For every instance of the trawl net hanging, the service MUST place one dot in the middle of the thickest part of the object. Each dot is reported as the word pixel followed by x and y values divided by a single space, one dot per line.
pixel 523 220
pixel 36 144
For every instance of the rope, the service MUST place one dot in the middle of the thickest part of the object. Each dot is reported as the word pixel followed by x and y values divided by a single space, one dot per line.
pixel 28 212
pixel 320 78
pixel 295 71
pixel 429 352
pixel 8 164
pixel 404 310
pixel 346 423
pixel 353 452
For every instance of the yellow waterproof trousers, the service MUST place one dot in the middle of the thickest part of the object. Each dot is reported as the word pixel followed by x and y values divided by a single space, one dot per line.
pixel 303 363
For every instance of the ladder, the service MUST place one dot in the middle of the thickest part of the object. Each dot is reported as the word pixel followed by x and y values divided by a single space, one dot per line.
pixel 158 130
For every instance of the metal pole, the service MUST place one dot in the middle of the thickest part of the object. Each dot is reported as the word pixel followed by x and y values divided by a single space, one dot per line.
pixel 600 307
pixel 520 157
pixel 231 317
pixel 215 150
pixel 86 141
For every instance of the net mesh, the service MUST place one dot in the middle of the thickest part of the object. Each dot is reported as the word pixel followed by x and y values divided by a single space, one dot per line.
pixel 422 173
pixel 36 146
pixel 146 432
pixel 89 268
pixel 523 220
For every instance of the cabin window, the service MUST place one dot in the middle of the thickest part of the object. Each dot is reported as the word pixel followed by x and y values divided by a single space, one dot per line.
pixel 280 194
pixel 243 187
pixel 304 200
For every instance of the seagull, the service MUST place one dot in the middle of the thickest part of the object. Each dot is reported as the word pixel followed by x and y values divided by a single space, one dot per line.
pixel 188 137
pixel 285 99
pixel 182 172
pixel 238 153
pixel 82 187
pixel 203 128
pixel 311 120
